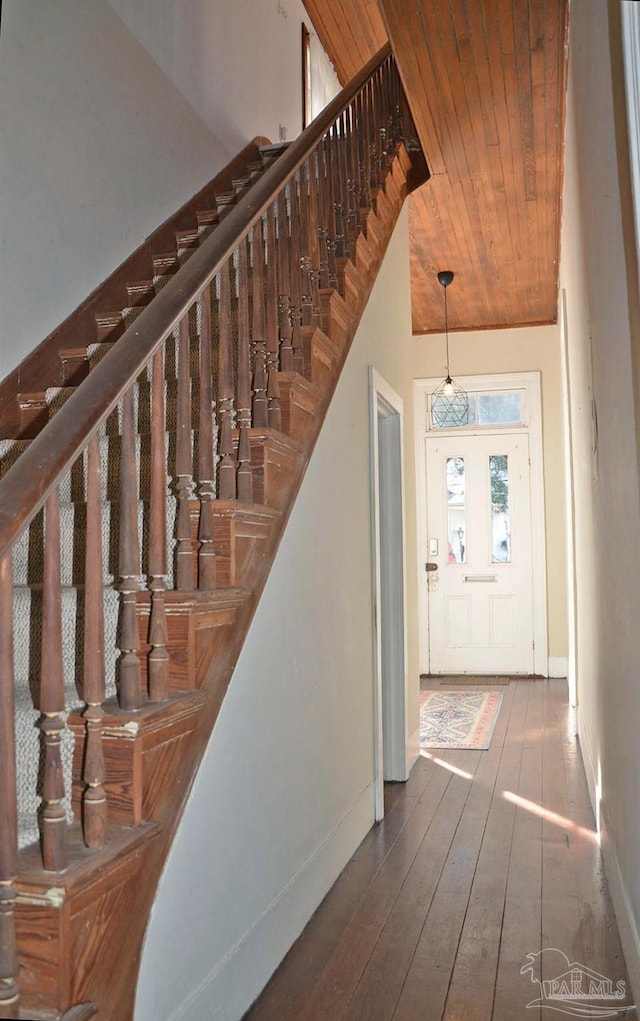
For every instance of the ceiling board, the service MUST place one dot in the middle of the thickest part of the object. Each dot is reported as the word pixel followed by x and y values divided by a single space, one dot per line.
pixel 485 80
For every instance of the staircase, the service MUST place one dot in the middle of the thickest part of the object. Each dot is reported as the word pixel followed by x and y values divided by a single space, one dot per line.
pixel 151 458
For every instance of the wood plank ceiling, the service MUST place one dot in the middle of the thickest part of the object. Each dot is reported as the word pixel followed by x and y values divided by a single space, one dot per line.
pixel 485 80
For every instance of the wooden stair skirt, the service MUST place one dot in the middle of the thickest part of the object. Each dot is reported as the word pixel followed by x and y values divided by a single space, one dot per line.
pixel 178 498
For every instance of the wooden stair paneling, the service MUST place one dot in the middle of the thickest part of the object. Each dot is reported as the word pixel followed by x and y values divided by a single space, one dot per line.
pixel 61 920
pixel 299 404
pixel 140 751
pixel 320 355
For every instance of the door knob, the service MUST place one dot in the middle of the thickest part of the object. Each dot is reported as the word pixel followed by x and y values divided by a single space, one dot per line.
pixel 431 567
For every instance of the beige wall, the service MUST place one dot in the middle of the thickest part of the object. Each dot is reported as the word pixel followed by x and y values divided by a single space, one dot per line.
pixel 289 767
pixel 600 280
pixel 523 350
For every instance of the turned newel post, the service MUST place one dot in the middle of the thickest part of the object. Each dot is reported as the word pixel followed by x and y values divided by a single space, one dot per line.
pixel 53 819
pixel 94 801
pixel 8 801
pixel 158 661
pixel 206 549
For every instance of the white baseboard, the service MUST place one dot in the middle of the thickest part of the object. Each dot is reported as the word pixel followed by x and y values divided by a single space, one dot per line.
pixel 558 666
pixel 629 936
pixel 230 988
pixel 413 750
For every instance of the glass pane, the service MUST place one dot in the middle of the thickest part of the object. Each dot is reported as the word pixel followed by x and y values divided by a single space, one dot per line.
pixel 505 407
pixel 456 510
pixel 500 509
pixel 499 408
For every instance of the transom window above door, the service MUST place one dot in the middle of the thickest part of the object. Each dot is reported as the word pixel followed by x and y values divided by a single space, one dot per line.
pixel 487 409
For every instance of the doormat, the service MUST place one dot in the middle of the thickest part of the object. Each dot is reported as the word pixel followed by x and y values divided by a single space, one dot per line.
pixel 458 719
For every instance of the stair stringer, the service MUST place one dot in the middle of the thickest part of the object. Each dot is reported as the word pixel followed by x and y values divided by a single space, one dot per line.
pixel 118 945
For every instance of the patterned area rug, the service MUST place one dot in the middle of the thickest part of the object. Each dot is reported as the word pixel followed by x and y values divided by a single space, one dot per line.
pixel 458 719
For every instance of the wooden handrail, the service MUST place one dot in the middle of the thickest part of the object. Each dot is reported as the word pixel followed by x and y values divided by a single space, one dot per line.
pixel 29 482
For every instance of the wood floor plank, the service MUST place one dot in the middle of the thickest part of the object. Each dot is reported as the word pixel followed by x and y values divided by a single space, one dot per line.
pixel 292 984
pixel 476 961
pixel 425 990
pixel 335 988
pixel 483 858
pixel 522 912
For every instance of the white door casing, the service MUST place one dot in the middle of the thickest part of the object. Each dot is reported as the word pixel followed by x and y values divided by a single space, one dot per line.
pixel 388 557
pixel 532 597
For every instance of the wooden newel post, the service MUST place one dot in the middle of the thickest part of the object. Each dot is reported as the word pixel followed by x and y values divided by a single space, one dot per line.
pixel 53 820
pixel 9 996
pixel 94 800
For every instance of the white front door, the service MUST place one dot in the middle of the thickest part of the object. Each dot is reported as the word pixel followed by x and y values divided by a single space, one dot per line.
pixel 480 594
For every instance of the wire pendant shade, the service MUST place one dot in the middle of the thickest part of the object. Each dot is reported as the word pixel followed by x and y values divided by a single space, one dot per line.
pixel 449 402
pixel 449 405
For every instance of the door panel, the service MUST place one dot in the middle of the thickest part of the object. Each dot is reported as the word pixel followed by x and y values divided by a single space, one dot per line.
pixel 479 520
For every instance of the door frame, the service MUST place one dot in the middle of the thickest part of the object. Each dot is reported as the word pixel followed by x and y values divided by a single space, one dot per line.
pixel 388 569
pixel 530 382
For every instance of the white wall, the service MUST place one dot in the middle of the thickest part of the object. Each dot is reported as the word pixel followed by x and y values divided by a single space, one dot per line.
pixel 101 138
pixel 285 792
pixel 238 62
pixel 601 285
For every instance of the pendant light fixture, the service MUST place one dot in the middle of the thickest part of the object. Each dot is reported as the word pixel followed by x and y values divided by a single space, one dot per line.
pixel 449 402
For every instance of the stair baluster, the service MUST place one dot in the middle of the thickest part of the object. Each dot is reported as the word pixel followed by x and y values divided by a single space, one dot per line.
pixel 284 286
pixel 206 489
pixel 306 267
pixel 331 206
pixel 313 235
pixel 258 328
pixel 184 461
pixel 295 312
pixel 323 214
pixel 9 1000
pixel 158 660
pixel 94 800
pixel 273 389
pixel 52 701
pixel 227 481
pixel 130 690
pixel 245 474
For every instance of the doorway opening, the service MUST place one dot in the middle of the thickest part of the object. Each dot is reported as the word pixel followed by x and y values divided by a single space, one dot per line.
pixel 387 513
pixel 482 570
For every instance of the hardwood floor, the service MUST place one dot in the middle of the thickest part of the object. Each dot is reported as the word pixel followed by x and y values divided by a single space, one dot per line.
pixel 483 858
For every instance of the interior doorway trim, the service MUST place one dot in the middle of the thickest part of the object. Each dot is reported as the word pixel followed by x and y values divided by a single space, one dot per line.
pixel 530 382
pixel 389 589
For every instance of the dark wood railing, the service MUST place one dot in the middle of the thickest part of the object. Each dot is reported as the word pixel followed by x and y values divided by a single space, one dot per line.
pixel 237 309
